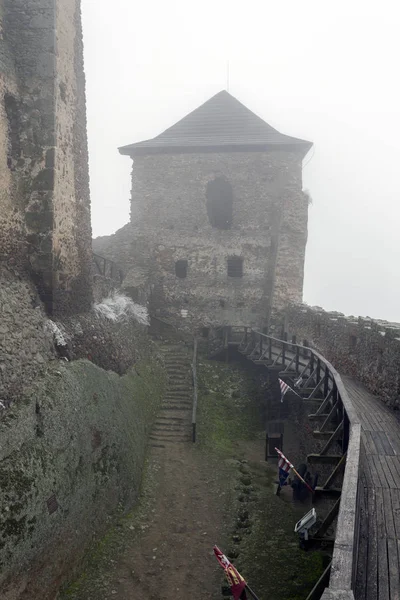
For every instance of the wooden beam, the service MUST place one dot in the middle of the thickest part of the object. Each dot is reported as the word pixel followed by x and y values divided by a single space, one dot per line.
pixel 324 404
pixel 335 471
pixel 330 416
pixel 327 522
pixel 315 416
pixel 321 584
pixel 327 491
pixel 333 438
pixel 322 435
pixel 324 459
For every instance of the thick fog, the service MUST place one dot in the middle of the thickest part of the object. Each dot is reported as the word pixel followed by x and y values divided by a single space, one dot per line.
pixel 323 71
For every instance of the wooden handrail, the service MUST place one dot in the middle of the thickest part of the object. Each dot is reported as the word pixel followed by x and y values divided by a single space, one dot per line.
pixel 103 264
pixel 344 560
pixel 195 392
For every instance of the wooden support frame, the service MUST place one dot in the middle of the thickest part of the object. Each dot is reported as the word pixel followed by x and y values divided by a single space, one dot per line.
pixel 341 464
pixel 330 416
pixel 337 413
pixel 324 405
pixel 332 439
pixel 327 522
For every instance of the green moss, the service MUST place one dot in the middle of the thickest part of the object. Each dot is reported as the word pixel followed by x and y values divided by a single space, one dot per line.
pixel 260 536
pixel 228 412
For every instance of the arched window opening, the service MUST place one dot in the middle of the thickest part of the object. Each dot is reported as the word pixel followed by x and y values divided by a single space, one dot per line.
pixel 181 267
pixel 235 266
pixel 220 203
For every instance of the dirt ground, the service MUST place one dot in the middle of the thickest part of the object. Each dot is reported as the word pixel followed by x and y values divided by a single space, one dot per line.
pixel 165 547
pixel 219 491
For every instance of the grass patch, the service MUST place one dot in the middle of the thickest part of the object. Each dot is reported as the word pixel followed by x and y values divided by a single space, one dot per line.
pixel 266 552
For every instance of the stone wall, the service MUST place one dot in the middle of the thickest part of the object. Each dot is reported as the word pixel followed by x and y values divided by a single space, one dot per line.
pixel 25 344
pixel 363 348
pixel 169 222
pixel 72 231
pixel 71 457
pixel 12 239
pixel 43 165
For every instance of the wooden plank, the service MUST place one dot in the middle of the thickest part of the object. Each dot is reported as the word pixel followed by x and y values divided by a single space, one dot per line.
pixel 378 443
pixel 386 471
pixel 372 560
pixel 326 459
pixel 388 514
pixel 393 559
pixel 362 558
pixel 370 447
pixel 383 573
pixel 379 478
pixel 394 465
pixel 395 497
pixel 367 473
pixel 387 446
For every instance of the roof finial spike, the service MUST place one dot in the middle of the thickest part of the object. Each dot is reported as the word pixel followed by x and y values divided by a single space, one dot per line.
pixel 227 76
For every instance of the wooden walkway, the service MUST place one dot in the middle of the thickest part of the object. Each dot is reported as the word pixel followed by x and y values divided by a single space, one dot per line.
pixel 379 497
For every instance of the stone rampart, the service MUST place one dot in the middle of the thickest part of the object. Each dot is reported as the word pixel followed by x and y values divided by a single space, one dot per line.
pixel 361 347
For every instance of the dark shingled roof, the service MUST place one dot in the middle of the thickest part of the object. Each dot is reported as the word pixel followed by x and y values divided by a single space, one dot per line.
pixel 220 124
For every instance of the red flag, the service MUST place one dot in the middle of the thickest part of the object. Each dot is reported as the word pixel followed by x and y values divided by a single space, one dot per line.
pixel 235 580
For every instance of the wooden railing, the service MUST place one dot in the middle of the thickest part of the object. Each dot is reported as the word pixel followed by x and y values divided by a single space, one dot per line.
pixel 314 377
pixel 107 268
pixel 195 390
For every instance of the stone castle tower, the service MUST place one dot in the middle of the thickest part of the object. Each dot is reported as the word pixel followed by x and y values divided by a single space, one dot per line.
pixel 45 229
pixel 218 217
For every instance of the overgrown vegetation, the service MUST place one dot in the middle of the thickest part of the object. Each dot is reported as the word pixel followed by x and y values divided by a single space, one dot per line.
pixel 259 525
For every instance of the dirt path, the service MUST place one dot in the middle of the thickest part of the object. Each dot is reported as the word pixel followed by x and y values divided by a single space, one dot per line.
pixel 164 550
pixel 218 491
pixel 169 559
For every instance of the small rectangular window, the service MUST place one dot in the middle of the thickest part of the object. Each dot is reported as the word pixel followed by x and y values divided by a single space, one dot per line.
pixel 235 266
pixel 181 267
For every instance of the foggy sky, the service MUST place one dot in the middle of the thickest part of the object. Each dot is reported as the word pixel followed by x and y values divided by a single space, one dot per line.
pixel 322 71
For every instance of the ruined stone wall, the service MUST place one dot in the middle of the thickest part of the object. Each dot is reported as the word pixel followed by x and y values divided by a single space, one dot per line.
pixel 169 222
pixel 363 348
pixel 11 208
pixel 72 231
pixel 291 245
pixel 25 344
pixel 71 458
pixel 45 194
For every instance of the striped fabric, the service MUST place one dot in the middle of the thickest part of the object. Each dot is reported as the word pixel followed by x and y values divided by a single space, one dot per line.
pixel 284 388
pixel 283 462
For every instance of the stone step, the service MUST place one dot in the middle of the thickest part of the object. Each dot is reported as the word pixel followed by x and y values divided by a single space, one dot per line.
pixel 180 427
pixel 182 403
pixel 177 407
pixel 177 360
pixel 169 435
pixel 171 440
pixel 173 419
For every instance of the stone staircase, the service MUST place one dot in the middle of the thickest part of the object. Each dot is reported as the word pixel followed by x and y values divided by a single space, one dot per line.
pixel 173 422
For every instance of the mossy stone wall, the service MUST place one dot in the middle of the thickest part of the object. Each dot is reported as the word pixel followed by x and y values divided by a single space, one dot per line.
pixel 71 457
